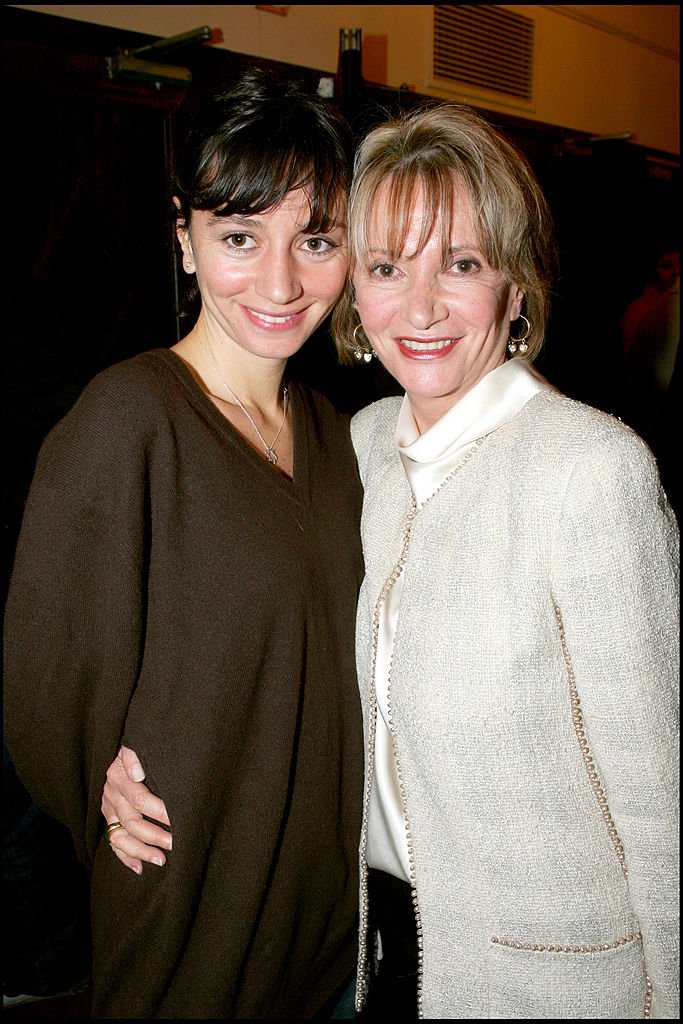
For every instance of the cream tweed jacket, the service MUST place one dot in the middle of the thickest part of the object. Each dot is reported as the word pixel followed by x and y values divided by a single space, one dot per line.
pixel 534 705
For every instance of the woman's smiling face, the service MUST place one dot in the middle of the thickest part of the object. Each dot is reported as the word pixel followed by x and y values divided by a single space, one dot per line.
pixel 438 325
pixel 266 281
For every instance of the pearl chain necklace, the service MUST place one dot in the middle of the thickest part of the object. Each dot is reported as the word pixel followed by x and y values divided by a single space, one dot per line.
pixel 268 449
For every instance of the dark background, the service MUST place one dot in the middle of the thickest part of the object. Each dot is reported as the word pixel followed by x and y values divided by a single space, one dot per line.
pixel 91 275
pixel 91 272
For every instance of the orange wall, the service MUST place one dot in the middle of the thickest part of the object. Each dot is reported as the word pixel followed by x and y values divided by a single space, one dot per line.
pixel 602 69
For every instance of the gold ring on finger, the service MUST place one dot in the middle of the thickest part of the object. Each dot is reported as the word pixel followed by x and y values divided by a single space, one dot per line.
pixel 111 828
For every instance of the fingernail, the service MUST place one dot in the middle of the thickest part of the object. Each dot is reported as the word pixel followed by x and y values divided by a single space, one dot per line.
pixel 137 773
pixel 158 861
pixel 138 870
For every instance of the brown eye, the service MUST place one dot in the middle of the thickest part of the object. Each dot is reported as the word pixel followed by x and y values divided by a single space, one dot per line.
pixel 384 269
pixel 465 266
pixel 318 244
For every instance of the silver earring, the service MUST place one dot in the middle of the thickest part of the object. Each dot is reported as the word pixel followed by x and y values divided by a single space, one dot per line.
pixel 188 263
pixel 520 343
pixel 362 350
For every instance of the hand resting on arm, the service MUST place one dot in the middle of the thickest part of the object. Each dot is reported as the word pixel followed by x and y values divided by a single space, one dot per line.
pixel 127 800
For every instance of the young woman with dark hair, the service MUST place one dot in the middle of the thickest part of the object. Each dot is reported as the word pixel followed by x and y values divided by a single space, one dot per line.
pixel 187 577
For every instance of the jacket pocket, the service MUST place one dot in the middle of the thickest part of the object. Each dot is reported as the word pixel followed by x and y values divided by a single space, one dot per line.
pixel 589 982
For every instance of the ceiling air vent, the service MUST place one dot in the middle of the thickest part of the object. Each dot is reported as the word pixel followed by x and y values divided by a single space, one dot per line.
pixel 483 46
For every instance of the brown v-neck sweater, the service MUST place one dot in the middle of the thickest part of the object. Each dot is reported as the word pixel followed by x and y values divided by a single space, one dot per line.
pixel 173 592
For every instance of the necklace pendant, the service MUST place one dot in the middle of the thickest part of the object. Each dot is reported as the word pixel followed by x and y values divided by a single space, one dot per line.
pixel 271 456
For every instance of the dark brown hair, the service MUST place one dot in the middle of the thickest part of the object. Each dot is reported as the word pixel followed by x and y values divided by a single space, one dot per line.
pixel 251 145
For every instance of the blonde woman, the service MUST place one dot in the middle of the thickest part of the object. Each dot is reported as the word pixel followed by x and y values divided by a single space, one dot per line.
pixel 518 623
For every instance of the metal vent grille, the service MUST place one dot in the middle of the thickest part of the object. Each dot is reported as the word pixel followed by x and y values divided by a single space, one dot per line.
pixel 484 46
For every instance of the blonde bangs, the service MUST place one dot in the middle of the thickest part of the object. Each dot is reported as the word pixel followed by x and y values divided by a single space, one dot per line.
pixel 451 159
pixel 382 221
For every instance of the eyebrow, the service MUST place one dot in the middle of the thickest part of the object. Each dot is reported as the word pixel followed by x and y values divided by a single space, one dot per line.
pixel 453 250
pixel 239 218
pixel 252 220
pixel 466 247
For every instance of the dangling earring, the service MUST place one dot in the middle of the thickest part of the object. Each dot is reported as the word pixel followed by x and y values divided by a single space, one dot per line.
pixel 362 350
pixel 520 343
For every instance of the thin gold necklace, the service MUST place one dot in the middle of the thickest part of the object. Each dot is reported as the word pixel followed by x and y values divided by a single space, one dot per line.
pixel 268 449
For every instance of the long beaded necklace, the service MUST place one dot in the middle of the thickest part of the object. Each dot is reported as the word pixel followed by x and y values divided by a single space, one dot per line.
pixel 268 449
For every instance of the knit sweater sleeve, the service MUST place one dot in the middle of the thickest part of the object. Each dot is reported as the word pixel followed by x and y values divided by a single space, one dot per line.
pixel 371 426
pixel 616 587
pixel 76 605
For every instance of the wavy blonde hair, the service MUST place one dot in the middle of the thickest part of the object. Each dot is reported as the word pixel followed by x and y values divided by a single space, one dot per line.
pixel 448 151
